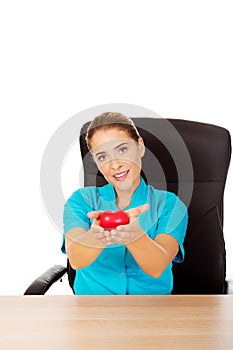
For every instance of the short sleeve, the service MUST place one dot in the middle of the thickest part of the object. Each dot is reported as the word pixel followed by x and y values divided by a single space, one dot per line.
pixel 75 215
pixel 173 220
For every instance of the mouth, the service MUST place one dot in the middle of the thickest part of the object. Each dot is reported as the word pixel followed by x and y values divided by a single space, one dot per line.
pixel 121 176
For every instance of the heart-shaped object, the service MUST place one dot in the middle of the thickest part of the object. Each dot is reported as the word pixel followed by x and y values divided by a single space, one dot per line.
pixel 112 219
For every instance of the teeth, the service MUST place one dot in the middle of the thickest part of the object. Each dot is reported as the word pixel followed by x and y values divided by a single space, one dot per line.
pixel 120 175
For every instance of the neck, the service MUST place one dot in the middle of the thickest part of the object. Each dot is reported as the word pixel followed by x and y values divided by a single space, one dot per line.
pixel 124 194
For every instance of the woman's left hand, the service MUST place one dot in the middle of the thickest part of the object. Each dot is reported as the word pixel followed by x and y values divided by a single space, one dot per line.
pixel 125 234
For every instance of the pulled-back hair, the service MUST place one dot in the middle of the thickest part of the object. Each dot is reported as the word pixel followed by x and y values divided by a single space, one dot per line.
pixel 109 120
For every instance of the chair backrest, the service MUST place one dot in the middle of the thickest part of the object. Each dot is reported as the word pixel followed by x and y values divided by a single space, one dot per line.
pixel 190 159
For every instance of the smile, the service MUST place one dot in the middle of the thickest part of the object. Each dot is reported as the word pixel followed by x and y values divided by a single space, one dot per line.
pixel 121 176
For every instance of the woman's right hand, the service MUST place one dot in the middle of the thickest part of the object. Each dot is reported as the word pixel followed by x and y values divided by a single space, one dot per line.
pixel 98 231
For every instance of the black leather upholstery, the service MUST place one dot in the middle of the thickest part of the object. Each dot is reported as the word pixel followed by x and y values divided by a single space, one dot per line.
pixel 45 281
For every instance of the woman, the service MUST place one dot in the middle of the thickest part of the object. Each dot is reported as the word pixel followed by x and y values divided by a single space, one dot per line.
pixel 135 258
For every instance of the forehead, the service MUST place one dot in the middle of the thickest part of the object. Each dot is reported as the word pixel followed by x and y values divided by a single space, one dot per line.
pixel 110 138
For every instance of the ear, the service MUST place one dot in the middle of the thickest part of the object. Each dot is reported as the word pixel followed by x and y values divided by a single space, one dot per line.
pixel 141 146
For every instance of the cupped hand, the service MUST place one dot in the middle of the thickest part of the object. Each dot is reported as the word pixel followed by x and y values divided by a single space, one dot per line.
pixel 99 233
pixel 125 234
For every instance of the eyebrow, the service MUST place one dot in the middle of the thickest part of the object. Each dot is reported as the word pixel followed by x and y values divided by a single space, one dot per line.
pixel 124 143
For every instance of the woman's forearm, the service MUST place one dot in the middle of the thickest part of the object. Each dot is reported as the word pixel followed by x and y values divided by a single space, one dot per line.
pixel 150 256
pixel 82 247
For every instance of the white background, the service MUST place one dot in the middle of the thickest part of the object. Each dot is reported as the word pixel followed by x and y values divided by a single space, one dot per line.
pixel 61 57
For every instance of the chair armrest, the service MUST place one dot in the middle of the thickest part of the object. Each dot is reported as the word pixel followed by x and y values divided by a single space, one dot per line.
pixel 45 281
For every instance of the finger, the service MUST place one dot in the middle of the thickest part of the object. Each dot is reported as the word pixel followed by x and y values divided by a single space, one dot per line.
pixel 99 235
pixel 103 241
pixel 119 240
pixel 138 210
pixel 107 234
pixel 144 207
pixel 94 214
pixel 120 234
pixel 109 239
pixel 123 228
pixel 97 228
pixel 98 232
pixel 126 228
pixel 96 223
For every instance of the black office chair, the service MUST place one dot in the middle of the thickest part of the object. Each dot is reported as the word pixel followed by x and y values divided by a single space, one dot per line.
pixel 190 159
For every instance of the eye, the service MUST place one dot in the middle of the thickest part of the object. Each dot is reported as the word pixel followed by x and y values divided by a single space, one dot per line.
pixel 101 158
pixel 122 150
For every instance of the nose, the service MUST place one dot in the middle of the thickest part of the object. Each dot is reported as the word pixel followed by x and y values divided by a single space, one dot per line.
pixel 115 163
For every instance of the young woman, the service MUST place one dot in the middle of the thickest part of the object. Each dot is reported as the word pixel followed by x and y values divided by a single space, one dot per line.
pixel 135 258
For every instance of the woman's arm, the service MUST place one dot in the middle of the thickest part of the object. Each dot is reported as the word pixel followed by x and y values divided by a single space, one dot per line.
pixel 83 247
pixel 153 256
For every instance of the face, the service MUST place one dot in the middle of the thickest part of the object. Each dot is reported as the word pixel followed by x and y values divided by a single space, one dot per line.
pixel 118 157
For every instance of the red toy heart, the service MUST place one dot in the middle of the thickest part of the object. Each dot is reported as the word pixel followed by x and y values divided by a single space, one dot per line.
pixel 112 219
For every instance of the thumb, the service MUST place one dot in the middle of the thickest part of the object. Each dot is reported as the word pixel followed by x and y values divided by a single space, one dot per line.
pixel 94 214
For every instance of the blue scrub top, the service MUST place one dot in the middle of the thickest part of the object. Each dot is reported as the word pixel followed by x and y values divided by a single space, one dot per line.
pixel 115 270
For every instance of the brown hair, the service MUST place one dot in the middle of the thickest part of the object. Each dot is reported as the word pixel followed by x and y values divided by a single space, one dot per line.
pixel 110 120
